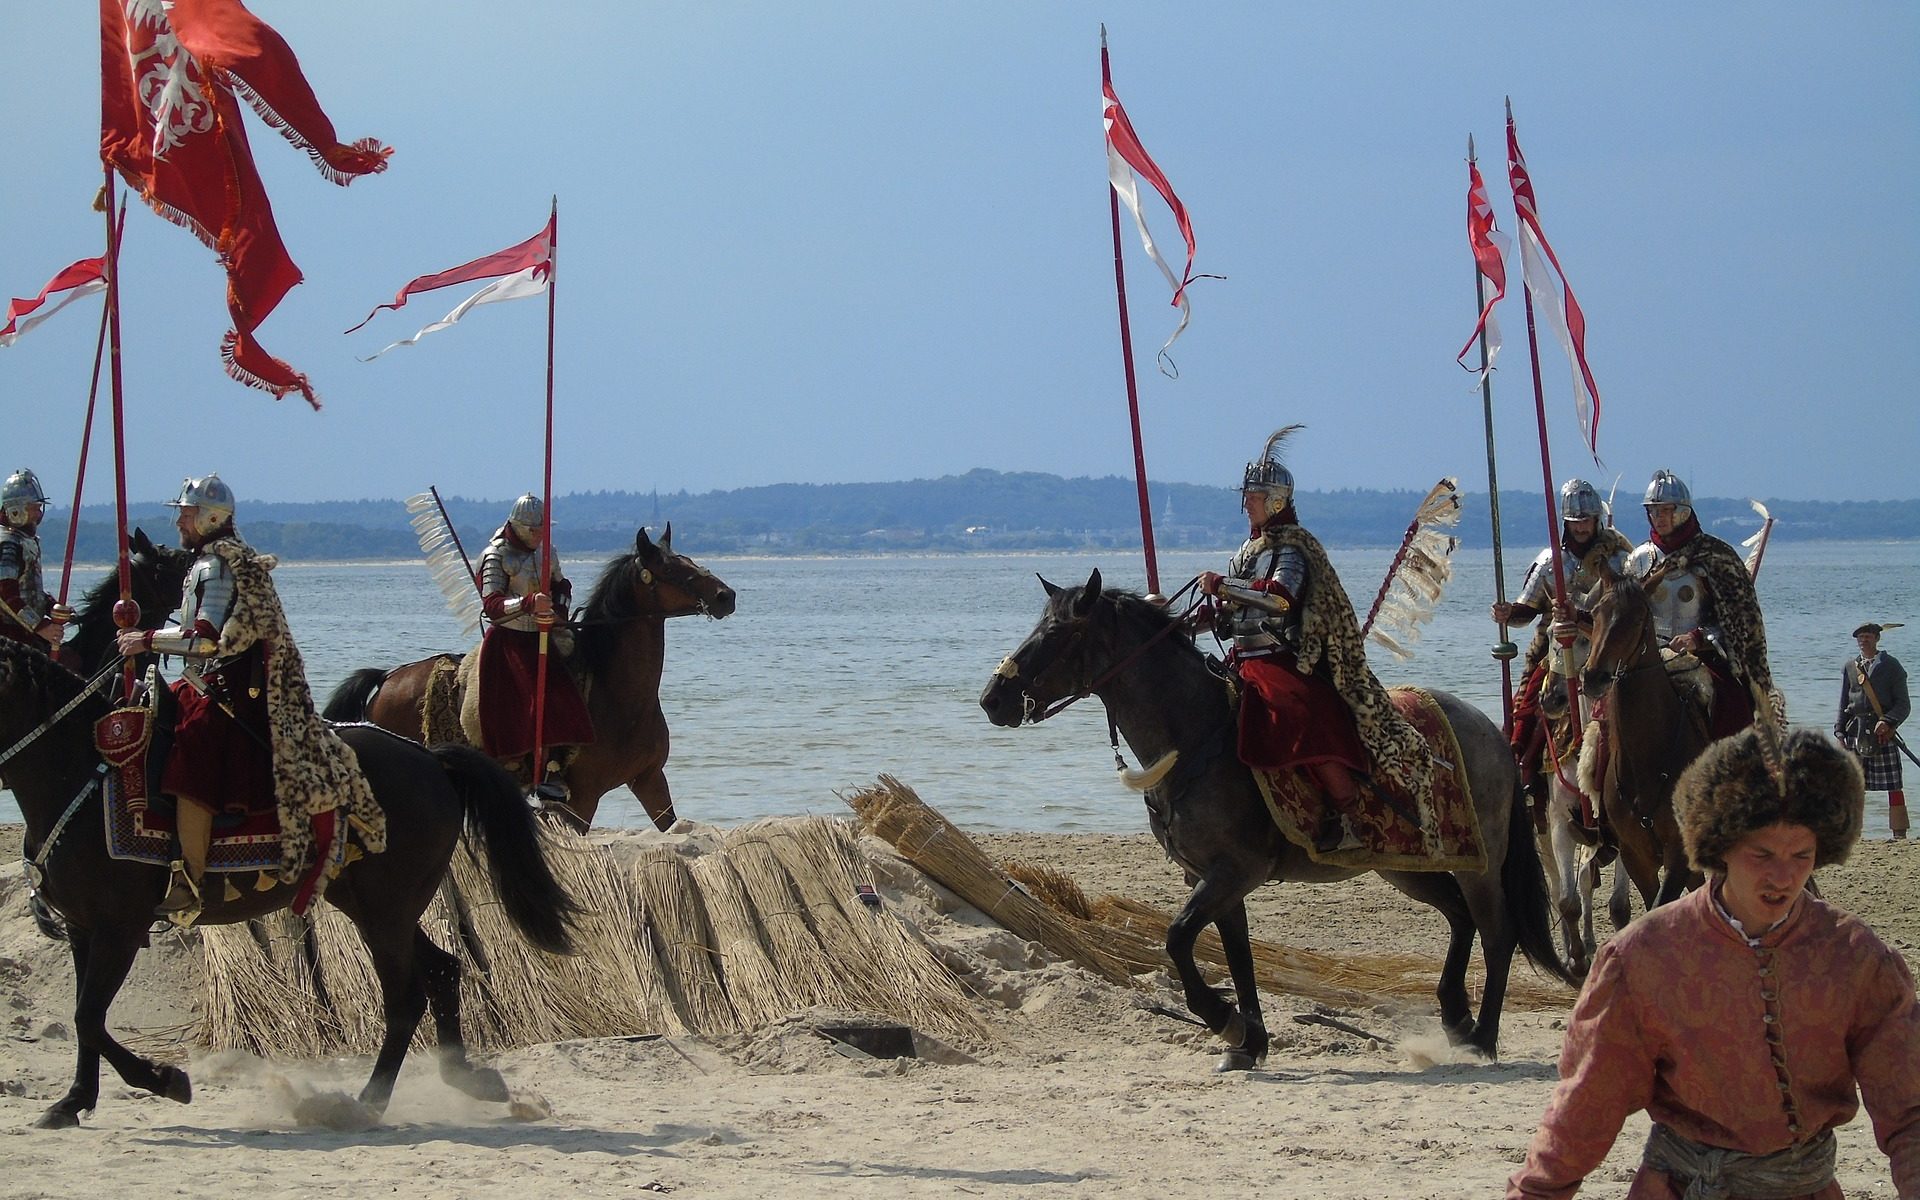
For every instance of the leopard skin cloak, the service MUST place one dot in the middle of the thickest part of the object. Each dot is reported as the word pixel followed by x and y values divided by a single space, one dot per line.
pixel 1735 607
pixel 1330 634
pixel 313 770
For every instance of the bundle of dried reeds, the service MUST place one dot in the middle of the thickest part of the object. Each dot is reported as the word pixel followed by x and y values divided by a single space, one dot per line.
pixel 253 999
pixel 799 960
pixel 892 811
pixel 678 922
pixel 338 972
pixel 904 978
pixel 746 965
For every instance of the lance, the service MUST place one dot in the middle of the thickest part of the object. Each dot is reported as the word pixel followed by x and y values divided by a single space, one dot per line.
pixel 1126 356
pixel 1504 650
pixel 126 611
pixel 1546 467
pixel 61 613
pixel 545 621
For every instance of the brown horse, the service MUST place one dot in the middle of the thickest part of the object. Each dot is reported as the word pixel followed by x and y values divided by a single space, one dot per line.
pixel 620 645
pixel 1652 733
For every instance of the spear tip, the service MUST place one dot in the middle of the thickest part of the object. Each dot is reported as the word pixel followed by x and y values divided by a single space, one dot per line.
pixel 1509 109
pixel 1103 35
pixel 1470 154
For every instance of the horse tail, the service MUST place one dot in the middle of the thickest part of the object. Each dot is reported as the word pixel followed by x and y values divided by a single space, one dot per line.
pixel 498 817
pixel 350 700
pixel 1524 883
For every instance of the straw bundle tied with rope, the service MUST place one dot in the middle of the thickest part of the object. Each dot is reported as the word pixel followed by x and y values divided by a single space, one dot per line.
pixel 896 814
pixel 758 993
pixel 677 920
pixel 798 957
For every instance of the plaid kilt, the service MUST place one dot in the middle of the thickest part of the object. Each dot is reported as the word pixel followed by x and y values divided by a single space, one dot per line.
pixel 1882 768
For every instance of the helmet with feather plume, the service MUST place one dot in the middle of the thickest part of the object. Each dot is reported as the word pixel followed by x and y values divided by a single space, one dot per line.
pixel 1268 474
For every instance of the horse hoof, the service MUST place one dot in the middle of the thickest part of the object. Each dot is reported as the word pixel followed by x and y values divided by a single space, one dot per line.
pixel 175 1085
pixel 1235 1060
pixel 482 1083
pixel 57 1118
pixel 1234 1032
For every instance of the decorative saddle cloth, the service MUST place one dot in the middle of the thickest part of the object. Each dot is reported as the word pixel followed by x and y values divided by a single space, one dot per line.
pixel 1446 836
pixel 141 829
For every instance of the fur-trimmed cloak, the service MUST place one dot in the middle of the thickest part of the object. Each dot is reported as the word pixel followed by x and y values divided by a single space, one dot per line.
pixel 1736 609
pixel 313 770
pixel 1330 634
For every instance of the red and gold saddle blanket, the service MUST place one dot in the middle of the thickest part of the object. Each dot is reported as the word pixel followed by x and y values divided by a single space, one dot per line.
pixel 139 832
pixel 1445 838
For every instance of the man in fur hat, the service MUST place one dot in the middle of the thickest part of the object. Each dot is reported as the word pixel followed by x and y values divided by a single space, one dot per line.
pixel 1873 703
pixel 1744 1016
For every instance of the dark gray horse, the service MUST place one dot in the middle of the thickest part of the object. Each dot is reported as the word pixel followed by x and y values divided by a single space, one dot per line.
pixel 1208 814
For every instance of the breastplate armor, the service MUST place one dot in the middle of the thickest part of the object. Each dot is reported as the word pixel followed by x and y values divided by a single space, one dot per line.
pixel 1536 592
pixel 207 596
pixel 1680 600
pixel 508 570
pixel 20 559
pixel 1256 632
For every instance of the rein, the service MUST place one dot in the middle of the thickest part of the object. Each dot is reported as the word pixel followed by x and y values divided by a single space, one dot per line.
pixel 1009 669
pixel 99 681
pixel 1646 660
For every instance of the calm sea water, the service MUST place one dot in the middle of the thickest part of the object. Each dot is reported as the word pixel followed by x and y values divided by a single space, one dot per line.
pixel 835 670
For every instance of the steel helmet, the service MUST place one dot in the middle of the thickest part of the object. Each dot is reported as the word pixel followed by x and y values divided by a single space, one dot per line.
pixel 211 496
pixel 19 494
pixel 525 517
pixel 1268 474
pixel 1580 500
pixel 1667 488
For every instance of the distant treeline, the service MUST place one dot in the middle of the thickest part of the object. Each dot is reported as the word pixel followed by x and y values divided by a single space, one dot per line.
pixel 981 510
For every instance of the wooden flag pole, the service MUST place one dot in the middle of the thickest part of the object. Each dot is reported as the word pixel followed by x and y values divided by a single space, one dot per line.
pixel 546 512
pixel 1126 354
pixel 61 613
pixel 126 611
pixel 1504 650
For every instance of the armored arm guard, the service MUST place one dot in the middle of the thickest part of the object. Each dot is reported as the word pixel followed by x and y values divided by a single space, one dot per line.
pixel 208 601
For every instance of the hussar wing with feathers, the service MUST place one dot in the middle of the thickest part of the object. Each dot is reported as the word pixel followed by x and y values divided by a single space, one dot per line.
pixel 446 561
pixel 1758 541
pixel 1419 576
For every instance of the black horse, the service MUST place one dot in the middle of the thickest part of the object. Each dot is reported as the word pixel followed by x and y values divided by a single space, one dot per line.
pixel 156 577
pixel 428 797
pixel 1208 814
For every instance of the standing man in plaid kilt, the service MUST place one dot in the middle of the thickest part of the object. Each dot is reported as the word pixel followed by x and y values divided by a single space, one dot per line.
pixel 1873 703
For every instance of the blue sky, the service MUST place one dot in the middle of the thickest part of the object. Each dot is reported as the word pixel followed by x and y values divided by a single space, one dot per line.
pixel 866 241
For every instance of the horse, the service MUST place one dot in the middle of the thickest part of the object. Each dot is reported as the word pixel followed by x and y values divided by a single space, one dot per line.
pixel 429 796
pixel 1653 732
pixel 1162 696
pixel 1572 850
pixel 157 575
pixel 620 646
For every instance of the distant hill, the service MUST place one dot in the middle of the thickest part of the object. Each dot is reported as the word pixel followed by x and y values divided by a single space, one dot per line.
pixel 981 510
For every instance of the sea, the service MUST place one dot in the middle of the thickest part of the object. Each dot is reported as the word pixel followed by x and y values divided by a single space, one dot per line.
pixel 834 671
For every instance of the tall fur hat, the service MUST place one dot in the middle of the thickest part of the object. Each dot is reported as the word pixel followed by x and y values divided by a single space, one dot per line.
pixel 1729 792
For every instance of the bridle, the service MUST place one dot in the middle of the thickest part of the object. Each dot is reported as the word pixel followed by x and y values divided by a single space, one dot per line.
pixel 1033 712
pixel 650 580
pixel 1646 659
pixel 100 679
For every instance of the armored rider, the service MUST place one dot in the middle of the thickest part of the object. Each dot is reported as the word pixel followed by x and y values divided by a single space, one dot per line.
pixel 246 736
pixel 1309 701
pixel 26 615
pixel 1703 602
pixel 1588 551
pixel 516 609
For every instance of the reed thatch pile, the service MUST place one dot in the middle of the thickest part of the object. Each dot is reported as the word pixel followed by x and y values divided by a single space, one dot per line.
pixel 1118 938
pixel 672 941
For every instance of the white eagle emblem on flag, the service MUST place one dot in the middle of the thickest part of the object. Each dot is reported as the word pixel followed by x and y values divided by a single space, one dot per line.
pixel 171 81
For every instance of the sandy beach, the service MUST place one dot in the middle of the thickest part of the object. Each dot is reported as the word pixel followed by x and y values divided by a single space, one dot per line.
pixel 1076 1088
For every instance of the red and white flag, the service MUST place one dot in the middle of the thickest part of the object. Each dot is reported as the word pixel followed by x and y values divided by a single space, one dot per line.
pixel 1551 292
pixel 1489 254
pixel 1125 155
pixel 83 278
pixel 517 272
pixel 172 75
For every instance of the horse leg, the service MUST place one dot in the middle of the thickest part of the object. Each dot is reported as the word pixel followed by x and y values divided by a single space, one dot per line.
pixel 402 992
pixel 651 788
pixel 1677 870
pixel 1442 892
pixel 100 965
pixel 1249 1049
pixel 1573 899
pixel 1217 892
pixel 441 973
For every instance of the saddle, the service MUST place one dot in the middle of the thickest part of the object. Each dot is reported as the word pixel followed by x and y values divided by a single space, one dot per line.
pixel 136 740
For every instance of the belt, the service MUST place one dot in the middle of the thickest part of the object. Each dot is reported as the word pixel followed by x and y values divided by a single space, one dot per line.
pixel 1716 1172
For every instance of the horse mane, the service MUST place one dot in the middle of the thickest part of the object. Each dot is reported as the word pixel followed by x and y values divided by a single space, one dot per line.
pixel 1132 606
pixel 53 681
pixel 607 606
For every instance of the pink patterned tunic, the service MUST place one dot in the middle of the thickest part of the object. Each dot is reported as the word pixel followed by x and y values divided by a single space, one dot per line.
pixel 1748 1047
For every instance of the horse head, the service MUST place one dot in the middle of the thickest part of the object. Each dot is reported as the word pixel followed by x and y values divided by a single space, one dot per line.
pixel 673 585
pixel 1058 659
pixel 1622 632
pixel 157 574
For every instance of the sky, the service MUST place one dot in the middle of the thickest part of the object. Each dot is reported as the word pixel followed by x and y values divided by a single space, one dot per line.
pixel 841 242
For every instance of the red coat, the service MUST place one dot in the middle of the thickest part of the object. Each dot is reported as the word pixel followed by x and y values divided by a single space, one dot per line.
pixel 1290 719
pixel 509 665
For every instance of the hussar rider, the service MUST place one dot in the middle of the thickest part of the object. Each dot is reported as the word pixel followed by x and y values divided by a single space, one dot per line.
pixel 26 615
pixel 515 606
pixel 1589 550
pixel 1703 601
pixel 1309 701
pixel 246 737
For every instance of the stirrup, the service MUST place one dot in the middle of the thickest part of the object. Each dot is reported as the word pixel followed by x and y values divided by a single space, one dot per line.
pixel 181 904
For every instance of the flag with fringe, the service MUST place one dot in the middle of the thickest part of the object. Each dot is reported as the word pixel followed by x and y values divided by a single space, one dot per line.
pixel 1552 294
pixel 1419 573
pixel 1125 155
pixel 172 78
pixel 83 278
pixel 517 272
